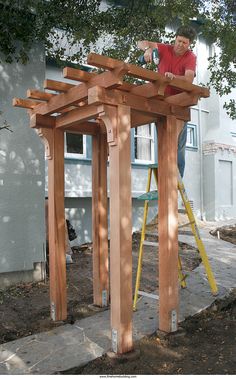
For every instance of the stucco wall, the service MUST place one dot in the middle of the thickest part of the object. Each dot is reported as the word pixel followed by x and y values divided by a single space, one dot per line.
pixel 79 212
pixel 219 181
pixel 219 161
pixel 21 173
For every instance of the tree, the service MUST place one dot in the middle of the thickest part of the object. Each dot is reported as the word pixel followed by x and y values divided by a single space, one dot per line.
pixel 119 24
pixel 25 22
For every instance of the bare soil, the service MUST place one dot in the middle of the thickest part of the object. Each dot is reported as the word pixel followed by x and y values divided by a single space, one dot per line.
pixel 205 343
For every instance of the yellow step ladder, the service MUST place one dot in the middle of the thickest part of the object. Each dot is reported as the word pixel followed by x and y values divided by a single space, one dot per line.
pixel 153 195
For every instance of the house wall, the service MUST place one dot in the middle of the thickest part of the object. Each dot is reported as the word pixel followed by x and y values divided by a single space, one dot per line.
pixel 219 181
pixel 193 175
pixel 79 211
pixel 22 233
pixel 219 161
pixel 210 175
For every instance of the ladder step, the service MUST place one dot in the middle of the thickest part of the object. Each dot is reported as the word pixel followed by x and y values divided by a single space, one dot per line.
pixel 187 224
pixel 183 211
pixel 151 195
pixel 146 294
pixel 151 234
pixel 153 165
pixel 149 243
pixel 185 232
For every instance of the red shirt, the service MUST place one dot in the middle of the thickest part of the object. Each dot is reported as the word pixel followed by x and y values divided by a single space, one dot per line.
pixel 177 64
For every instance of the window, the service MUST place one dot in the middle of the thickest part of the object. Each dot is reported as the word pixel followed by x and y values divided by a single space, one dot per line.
pixel 75 145
pixel 144 143
pixel 233 136
pixel 192 136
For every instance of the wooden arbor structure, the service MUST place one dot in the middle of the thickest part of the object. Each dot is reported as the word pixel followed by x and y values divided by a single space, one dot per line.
pixel 105 106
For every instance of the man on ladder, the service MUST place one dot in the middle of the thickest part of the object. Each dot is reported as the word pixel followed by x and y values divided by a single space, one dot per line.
pixel 176 61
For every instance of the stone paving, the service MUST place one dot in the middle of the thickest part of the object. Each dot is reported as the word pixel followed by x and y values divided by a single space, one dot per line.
pixel 74 345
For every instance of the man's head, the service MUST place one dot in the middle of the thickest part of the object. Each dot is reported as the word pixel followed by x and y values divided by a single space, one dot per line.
pixel 187 32
pixel 185 35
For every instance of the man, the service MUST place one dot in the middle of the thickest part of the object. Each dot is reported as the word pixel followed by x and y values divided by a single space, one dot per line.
pixel 176 61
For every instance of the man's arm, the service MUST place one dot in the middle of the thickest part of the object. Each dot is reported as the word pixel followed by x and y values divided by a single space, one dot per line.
pixel 144 45
pixel 188 77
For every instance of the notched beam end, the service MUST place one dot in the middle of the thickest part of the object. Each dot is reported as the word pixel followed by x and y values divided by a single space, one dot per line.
pixel 40 121
pixel 183 99
pixel 15 101
pixel 23 103
pixel 103 61
pixel 205 92
pixel 77 74
pixel 39 95
pixel 95 95
pixel 55 85
pixel 181 113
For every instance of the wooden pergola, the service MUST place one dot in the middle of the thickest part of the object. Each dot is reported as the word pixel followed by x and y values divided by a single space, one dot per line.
pixel 103 105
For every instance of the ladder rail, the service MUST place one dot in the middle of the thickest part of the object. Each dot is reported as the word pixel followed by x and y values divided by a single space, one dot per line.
pixel 197 237
pixel 140 255
pixel 152 169
pixel 195 231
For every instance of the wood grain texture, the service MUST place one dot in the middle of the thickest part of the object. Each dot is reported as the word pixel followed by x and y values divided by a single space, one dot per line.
pixel 121 232
pixel 56 211
pixel 100 221
pixel 167 222
pixel 100 95
pixel 39 95
pixel 23 103
pixel 55 85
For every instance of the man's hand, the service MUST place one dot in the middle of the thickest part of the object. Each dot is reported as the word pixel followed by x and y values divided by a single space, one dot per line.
pixel 142 45
pixel 148 55
pixel 169 75
pixel 147 47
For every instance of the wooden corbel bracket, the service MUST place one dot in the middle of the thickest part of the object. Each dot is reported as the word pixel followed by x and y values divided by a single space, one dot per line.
pixel 47 137
pixel 109 118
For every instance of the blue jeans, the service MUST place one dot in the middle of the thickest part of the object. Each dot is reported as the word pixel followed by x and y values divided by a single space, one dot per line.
pixel 181 149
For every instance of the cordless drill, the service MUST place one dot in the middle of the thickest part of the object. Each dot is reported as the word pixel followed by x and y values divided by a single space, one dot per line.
pixel 155 57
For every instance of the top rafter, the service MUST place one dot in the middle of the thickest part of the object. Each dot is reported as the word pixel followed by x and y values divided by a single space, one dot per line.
pixel 108 63
pixel 73 104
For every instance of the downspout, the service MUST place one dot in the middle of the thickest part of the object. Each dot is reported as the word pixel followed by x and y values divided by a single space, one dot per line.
pixel 201 158
pixel 200 141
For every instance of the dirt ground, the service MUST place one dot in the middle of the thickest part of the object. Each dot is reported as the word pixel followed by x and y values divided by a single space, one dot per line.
pixel 208 338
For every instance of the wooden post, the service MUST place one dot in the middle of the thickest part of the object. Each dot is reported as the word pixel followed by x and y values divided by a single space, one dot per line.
pixel 99 221
pixel 118 127
pixel 168 224
pixel 56 221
